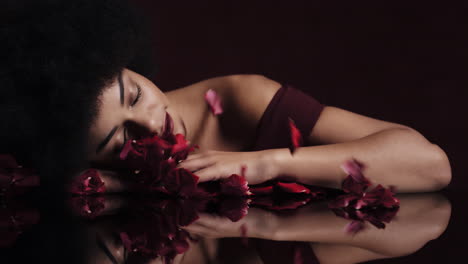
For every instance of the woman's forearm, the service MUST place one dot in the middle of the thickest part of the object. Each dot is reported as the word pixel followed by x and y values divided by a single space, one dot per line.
pixel 402 158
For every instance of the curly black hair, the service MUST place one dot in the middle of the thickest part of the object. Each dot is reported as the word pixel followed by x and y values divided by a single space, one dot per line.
pixel 56 57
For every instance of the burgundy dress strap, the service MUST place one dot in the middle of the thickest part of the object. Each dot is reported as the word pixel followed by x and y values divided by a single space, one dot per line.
pixel 273 130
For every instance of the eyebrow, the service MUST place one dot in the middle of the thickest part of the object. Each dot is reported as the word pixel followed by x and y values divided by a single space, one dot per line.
pixel 106 140
pixel 112 132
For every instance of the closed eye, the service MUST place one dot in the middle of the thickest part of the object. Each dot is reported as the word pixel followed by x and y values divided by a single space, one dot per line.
pixel 137 98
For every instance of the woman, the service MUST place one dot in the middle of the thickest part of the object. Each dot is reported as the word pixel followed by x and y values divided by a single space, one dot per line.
pixel 95 95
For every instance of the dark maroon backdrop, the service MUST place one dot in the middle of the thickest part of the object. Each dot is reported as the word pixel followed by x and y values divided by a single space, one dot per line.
pixel 401 61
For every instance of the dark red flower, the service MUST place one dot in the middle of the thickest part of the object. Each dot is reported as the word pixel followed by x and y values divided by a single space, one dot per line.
pixel 355 182
pixel 181 182
pixel 376 206
pixel 153 230
pixel 234 208
pixel 89 182
pixel 235 185
pixel 87 206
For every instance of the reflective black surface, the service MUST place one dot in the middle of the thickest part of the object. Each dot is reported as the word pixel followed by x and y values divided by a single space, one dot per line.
pixel 126 229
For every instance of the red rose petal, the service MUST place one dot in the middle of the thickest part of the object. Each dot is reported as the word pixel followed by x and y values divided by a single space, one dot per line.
pixel 296 138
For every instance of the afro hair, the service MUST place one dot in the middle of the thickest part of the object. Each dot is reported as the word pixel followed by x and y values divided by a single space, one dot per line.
pixel 56 57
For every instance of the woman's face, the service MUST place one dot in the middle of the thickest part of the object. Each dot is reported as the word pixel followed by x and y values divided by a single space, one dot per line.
pixel 131 107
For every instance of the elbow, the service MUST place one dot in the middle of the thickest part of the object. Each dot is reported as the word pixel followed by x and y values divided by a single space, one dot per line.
pixel 436 170
pixel 442 171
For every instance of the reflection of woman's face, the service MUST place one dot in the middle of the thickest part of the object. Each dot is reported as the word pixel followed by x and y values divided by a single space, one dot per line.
pixel 131 107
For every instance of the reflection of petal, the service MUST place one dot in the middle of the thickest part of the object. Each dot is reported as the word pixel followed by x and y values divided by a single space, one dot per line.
pixel 292 187
pixel 214 101
pixel 234 209
pixel 354 227
pixel 261 190
pixel 342 201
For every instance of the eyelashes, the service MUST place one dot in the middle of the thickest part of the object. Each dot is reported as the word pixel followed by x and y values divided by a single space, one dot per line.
pixel 125 130
pixel 138 96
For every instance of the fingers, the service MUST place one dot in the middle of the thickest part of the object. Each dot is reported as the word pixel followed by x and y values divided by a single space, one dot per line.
pixel 197 162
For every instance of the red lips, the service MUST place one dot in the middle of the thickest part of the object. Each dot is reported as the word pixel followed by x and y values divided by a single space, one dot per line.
pixel 168 126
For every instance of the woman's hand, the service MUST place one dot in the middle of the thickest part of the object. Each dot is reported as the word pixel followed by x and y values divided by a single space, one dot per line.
pixel 215 165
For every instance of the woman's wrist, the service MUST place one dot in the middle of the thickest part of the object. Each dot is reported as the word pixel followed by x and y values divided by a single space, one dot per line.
pixel 275 160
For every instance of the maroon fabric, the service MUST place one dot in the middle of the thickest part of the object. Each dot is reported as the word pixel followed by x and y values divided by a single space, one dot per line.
pixel 273 132
pixel 273 129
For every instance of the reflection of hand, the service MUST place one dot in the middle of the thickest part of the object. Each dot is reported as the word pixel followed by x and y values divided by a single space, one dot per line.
pixel 420 219
pixel 258 223
pixel 215 165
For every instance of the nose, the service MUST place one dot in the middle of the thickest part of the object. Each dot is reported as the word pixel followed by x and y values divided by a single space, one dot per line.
pixel 143 124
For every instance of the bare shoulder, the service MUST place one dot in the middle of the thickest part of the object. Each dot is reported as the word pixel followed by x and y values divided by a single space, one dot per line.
pixel 250 94
pixel 245 95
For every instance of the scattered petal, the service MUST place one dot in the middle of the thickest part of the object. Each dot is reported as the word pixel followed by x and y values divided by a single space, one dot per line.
pixel 214 101
pixel 296 138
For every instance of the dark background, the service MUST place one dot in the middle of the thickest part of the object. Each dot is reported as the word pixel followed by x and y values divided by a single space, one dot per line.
pixel 400 61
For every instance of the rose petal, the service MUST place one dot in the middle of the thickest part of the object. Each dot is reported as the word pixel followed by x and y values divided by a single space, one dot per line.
pixel 296 138
pixel 214 101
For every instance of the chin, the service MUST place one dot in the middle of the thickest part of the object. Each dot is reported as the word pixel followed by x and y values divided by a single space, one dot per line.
pixel 179 126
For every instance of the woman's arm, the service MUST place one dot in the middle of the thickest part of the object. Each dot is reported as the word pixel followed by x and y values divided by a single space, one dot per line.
pixel 398 157
pixel 392 154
